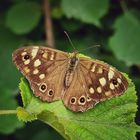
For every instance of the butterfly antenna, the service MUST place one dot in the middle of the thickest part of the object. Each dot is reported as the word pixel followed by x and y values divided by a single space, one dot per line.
pixel 93 46
pixel 70 40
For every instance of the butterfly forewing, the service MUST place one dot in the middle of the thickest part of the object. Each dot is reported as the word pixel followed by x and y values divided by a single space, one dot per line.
pixel 43 67
pixel 78 81
pixel 106 80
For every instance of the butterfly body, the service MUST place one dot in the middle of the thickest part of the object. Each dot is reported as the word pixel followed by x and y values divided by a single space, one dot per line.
pixel 73 62
pixel 78 81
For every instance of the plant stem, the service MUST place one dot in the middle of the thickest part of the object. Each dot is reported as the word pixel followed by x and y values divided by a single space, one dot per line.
pixel 6 112
pixel 48 24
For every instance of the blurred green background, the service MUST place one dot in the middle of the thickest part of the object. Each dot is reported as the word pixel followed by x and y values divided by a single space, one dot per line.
pixel 112 24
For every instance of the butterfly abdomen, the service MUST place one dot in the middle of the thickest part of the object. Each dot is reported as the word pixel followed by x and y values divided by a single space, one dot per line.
pixel 70 71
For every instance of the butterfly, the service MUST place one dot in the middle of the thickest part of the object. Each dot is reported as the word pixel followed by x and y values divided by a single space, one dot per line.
pixel 80 82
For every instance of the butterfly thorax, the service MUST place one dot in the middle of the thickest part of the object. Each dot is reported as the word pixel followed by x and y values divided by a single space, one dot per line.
pixel 73 62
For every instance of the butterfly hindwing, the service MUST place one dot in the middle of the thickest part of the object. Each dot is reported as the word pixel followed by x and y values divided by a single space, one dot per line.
pixel 42 67
pixel 76 97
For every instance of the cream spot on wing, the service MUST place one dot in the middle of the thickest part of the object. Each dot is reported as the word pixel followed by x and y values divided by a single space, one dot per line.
pixel 42 76
pixel 93 68
pixel 102 81
pixel 99 89
pixel 27 62
pixel 111 68
pixel 91 90
pixel 24 53
pixel 100 70
pixel 108 93
pixel 34 51
pixel 119 80
pixel 112 86
pixel 52 56
pixel 27 70
pixel 117 85
pixel 37 63
pixel 35 71
pixel 110 74
pixel 89 99
pixel 45 55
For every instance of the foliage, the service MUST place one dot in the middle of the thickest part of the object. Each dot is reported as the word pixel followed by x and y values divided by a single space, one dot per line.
pixel 105 121
pixel 127 28
pixel 8 123
pixel 22 21
pixel 88 12
pixel 111 24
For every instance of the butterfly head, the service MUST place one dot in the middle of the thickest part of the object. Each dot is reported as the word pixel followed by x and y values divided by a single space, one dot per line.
pixel 74 58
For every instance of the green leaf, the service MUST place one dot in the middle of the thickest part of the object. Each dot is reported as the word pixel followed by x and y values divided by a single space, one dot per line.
pixel 89 11
pixel 23 17
pixel 8 123
pixel 125 42
pixel 111 119
pixel 24 89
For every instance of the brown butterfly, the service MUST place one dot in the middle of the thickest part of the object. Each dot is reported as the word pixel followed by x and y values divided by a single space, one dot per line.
pixel 78 81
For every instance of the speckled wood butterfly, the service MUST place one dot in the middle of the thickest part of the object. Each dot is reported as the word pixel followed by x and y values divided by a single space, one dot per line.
pixel 78 81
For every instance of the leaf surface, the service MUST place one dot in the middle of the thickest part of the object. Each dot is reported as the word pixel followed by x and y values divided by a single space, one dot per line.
pixel 125 42
pixel 111 119
pixel 89 11
pixel 23 17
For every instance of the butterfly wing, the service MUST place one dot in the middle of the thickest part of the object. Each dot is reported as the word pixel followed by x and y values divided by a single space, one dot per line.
pixel 94 81
pixel 76 97
pixel 43 67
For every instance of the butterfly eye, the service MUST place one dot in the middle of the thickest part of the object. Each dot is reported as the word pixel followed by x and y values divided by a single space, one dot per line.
pixel 26 57
pixel 50 92
pixel 73 100
pixel 43 87
pixel 114 81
